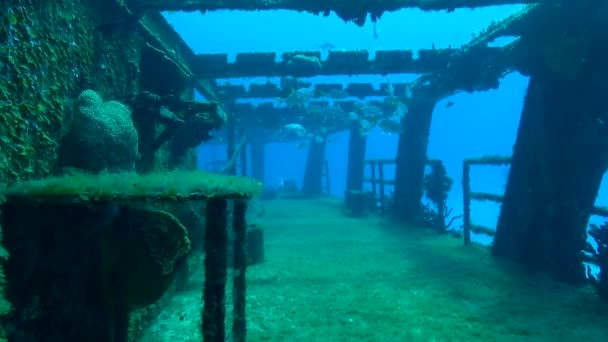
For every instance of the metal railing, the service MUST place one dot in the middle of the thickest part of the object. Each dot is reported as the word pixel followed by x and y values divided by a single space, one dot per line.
pixel 377 174
pixel 468 196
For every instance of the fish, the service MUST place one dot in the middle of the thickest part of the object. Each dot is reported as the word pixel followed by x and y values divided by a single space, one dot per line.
pixel 391 125
pixel 337 94
pixel 449 104
pixel 401 110
pixel 371 111
pixel 295 129
pixel 375 31
pixel 326 46
pixel 298 98
pixel 390 88
pixel 333 112
pixel 408 92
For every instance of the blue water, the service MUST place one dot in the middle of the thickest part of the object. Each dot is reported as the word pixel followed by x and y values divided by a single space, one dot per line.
pixel 483 123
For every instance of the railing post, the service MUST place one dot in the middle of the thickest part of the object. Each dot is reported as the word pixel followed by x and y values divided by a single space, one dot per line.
pixel 373 165
pixel 466 198
pixel 381 178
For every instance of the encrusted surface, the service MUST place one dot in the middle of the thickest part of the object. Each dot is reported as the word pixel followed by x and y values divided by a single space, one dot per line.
pixel 175 185
pixel 49 52
pixel 349 10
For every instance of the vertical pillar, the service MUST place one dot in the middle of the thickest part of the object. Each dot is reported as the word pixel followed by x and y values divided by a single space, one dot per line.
pixel 411 159
pixel 466 199
pixel 243 156
pixel 313 173
pixel 231 143
pixel 356 159
pixel 216 239
pixel 257 160
pixel 239 225
pixel 559 159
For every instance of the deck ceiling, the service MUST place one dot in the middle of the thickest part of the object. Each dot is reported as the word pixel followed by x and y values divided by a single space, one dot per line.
pixel 473 67
pixel 349 10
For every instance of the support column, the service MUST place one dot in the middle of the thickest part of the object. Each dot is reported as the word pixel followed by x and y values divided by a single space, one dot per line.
pixel 411 160
pixel 243 156
pixel 559 159
pixel 214 292
pixel 257 160
pixel 312 185
pixel 239 225
pixel 231 143
pixel 356 159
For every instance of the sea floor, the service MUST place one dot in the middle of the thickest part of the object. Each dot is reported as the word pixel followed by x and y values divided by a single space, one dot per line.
pixel 328 277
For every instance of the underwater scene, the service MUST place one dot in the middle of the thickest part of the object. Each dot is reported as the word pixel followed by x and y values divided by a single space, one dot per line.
pixel 303 170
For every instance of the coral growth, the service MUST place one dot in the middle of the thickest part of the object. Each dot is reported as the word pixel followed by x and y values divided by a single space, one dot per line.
pixel 102 137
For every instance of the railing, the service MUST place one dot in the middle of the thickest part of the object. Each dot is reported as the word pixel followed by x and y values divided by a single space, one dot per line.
pixel 377 174
pixel 467 196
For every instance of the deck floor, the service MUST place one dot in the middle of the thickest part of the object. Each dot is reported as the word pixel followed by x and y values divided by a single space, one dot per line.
pixel 328 278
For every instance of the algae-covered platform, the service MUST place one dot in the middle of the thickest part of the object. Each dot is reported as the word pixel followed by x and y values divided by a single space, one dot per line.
pixel 127 186
pixel 332 278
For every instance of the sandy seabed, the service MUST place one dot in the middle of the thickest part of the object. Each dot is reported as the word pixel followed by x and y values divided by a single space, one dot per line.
pixel 328 277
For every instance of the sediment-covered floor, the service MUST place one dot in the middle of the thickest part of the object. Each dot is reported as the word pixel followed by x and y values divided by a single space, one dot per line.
pixel 328 277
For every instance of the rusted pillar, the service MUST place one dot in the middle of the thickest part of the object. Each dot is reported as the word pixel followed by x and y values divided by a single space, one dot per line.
pixel 312 185
pixel 411 159
pixel 216 239
pixel 257 160
pixel 560 156
pixel 239 225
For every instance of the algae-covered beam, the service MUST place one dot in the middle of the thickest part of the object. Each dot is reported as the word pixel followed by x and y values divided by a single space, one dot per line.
pixel 159 34
pixel 338 62
pixel 473 68
pixel 349 10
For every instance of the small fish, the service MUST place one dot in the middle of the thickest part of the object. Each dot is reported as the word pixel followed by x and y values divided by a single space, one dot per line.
pixel 391 126
pixel 337 94
pixel 408 92
pixel 298 98
pixel 401 110
pixel 371 111
pixel 295 129
pixel 375 31
pixel 333 112
pixel 326 46
pixel 449 104
pixel 390 89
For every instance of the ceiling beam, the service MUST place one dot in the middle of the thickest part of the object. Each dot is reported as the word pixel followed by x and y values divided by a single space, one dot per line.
pixel 309 63
pixel 272 90
pixel 164 38
pixel 349 10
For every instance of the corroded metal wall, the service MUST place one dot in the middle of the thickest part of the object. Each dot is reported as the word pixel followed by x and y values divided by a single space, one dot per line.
pixel 49 52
